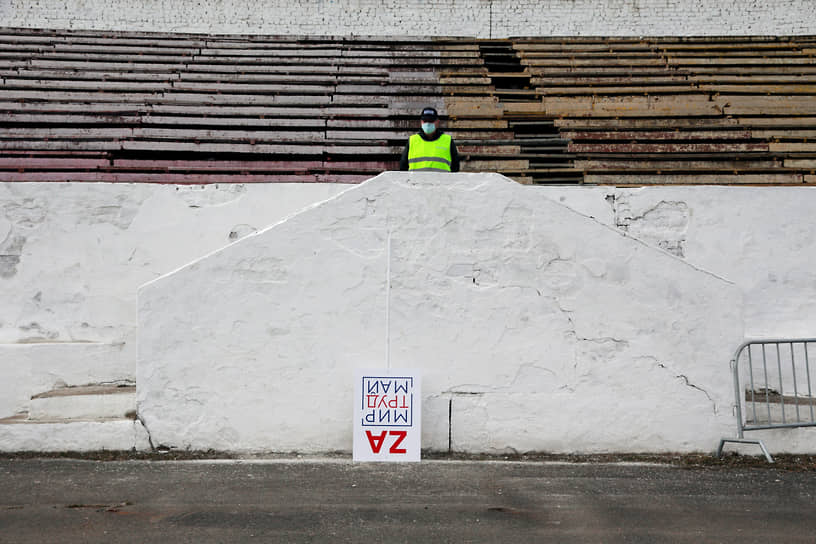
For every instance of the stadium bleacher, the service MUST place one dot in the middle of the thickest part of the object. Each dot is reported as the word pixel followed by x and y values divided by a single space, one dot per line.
pixel 184 108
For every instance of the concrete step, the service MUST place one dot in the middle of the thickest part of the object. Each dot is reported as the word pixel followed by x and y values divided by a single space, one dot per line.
pixel 88 402
pixel 19 433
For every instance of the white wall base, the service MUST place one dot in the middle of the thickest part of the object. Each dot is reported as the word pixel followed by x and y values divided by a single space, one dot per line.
pixel 114 435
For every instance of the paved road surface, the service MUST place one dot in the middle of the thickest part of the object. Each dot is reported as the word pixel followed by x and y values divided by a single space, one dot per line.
pixel 301 501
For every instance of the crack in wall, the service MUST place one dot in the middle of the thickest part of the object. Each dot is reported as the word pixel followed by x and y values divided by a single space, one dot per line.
pixel 688 383
pixel 141 420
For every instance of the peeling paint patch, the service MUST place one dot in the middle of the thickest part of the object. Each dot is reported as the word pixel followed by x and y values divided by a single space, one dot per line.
pixel 37 333
pixel 120 214
pixel 10 252
pixel 663 225
pixel 203 196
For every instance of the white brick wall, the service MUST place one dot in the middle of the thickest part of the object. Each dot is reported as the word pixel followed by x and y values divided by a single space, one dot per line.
pixel 480 18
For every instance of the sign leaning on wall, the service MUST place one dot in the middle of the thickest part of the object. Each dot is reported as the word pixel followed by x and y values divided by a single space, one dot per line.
pixel 387 415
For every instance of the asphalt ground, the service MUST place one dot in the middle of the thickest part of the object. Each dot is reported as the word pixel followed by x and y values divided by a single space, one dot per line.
pixel 309 499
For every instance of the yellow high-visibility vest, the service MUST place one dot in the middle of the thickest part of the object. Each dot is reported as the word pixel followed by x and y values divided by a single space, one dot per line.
pixel 423 155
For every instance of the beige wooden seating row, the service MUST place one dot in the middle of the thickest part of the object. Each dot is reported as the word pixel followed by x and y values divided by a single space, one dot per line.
pixel 193 108
pixel 682 110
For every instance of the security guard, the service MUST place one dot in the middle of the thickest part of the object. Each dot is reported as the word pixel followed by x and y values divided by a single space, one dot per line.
pixel 430 149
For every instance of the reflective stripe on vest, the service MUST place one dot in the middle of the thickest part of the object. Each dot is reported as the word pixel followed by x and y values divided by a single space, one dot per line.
pixel 433 155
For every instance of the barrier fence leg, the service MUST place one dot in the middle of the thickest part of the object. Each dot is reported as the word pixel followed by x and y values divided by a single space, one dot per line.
pixel 745 441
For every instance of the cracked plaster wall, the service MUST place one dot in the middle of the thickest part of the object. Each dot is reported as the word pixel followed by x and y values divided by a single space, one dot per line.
pixel 759 238
pixel 480 18
pixel 542 329
pixel 72 257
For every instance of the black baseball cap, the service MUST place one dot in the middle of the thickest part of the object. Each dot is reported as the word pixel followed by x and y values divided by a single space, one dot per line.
pixel 429 114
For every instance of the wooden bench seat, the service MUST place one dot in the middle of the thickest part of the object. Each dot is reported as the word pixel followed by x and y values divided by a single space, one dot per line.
pixel 196 108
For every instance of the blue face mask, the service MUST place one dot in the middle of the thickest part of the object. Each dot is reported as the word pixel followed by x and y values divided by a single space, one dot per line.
pixel 428 128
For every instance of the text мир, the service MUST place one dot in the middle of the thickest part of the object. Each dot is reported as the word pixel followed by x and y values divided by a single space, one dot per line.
pixel 387 401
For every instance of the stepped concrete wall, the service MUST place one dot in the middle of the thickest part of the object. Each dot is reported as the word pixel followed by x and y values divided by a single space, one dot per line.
pixel 480 18
pixel 73 255
pixel 535 327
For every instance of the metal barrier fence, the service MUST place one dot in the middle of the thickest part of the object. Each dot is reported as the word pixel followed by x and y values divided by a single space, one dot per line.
pixel 773 387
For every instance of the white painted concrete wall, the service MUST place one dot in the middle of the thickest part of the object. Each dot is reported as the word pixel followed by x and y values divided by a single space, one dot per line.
pixel 72 244
pixel 759 238
pixel 545 328
pixel 73 255
pixel 480 18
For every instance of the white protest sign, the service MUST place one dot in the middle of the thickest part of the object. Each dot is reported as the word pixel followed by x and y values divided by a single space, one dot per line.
pixel 387 415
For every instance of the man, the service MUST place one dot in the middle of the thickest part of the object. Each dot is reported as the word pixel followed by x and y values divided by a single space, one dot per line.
pixel 430 149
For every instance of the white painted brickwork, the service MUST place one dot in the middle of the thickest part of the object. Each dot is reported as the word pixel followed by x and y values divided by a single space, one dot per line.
pixel 480 18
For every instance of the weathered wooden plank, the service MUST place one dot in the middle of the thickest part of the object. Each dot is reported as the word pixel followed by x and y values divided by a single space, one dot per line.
pixel 669 147
pixel 176 178
pixel 116 48
pixel 363 148
pixel 306 87
pixel 60 145
pixel 270 111
pixel 101 40
pixel 72 133
pixel 234 77
pixel 599 165
pixel 752 78
pixel 613 56
pixel 693 179
pixel 792 147
pixel 708 48
pixel 522 108
pixel 69 96
pixel 592 62
pixel 268 122
pixel 779 121
pixel 167 98
pixel 634 106
pixel 495 165
pixel 768 105
pixel 43 85
pixel 63 57
pixel 459 107
pixel 359 166
pixel 781 69
pixel 617 90
pixel 89 66
pixel 51 163
pixel 800 163
pixel 763 88
pixel 249 50
pixel 489 150
pixel 647 123
pixel 242 99
pixel 702 61
pixel 718 54
pixel 589 71
pixel 368 134
pixel 216 166
pixel 658 135
pixel 663 78
pixel 30 74
pixel 245 148
pixel 461 124
pixel 567 47
pixel 243 136
pixel 784 133
pixel 61 118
